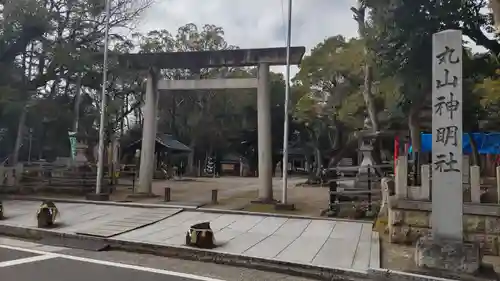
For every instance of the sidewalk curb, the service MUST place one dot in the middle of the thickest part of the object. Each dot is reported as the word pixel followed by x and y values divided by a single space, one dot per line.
pixel 109 203
pixel 290 268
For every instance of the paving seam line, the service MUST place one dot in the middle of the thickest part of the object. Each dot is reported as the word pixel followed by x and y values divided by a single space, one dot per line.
pixel 145 224
pixel 185 207
pixel 273 265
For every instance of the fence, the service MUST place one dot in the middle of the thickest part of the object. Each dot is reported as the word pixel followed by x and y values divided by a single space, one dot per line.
pixel 422 188
pixel 361 191
pixel 60 178
pixel 410 209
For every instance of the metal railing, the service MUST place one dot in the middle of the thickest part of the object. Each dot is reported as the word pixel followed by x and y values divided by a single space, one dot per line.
pixel 364 187
pixel 48 177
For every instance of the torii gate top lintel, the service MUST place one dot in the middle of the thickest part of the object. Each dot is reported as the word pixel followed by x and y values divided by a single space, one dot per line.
pixel 208 59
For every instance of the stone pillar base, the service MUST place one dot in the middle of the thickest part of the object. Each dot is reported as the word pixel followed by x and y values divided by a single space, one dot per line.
pixel 264 201
pixel 142 195
pixel 97 197
pixel 284 207
pixel 456 257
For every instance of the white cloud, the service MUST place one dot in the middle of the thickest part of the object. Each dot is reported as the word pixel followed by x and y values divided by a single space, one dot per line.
pixel 257 23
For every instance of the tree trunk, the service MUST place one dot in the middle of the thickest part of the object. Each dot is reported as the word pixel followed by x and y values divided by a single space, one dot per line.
pixel 77 103
pixel 191 164
pixel 19 137
pixel 308 164
pixel 475 151
pixel 318 160
pixel 350 146
pixel 359 16
pixel 414 126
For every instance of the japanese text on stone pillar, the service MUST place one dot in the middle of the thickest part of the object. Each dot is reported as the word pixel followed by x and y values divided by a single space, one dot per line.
pixel 444 107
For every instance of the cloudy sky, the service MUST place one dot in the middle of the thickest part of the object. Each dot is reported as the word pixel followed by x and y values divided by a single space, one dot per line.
pixel 257 23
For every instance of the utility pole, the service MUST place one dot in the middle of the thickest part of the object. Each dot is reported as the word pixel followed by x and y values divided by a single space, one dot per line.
pixel 287 102
pixel 100 164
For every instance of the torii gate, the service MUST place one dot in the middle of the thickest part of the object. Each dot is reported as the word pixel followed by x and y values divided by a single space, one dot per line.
pixel 154 62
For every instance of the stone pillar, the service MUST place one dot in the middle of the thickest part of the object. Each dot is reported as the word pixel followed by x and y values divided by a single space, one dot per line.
pixel 147 164
pixel 475 184
pixel 447 125
pixel 466 170
pixel 425 174
pixel 80 157
pixel 402 177
pixel 445 250
pixel 264 134
pixel 497 170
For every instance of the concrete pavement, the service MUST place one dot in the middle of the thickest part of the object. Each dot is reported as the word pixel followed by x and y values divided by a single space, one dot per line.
pixel 326 243
pixel 23 260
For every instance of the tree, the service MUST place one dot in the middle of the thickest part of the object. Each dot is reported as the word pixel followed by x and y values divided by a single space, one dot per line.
pixel 359 16
pixel 190 115
pixel 332 81
pixel 495 6
pixel 401 36
pixel 48 61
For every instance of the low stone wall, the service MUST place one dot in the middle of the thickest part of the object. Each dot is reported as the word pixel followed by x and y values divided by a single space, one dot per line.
pixel 408 220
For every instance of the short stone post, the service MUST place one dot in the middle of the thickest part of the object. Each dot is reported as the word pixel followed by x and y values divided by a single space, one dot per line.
pixel 475 184
pixel 241 167
pixel 3 172
pixel 47 214
pixel 425 189
pixel 214 196
pixel 166 197
pixel 466 169
pixel 402 177
pixel 201 236
pixel 1 211
pixel 497 169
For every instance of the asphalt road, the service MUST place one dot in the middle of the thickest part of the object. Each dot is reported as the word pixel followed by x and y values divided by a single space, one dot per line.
pixel 17 264
pixel 27 261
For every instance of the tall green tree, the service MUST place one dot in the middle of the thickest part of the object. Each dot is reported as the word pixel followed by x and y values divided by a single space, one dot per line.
pixel 330 90
pixel 401 40
pixel 46 63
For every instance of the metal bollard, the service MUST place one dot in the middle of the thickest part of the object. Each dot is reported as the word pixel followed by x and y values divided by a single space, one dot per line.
pixel 167 194
pixel 214 196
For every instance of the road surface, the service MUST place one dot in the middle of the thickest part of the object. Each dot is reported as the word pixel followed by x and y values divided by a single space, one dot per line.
pixel 26 261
